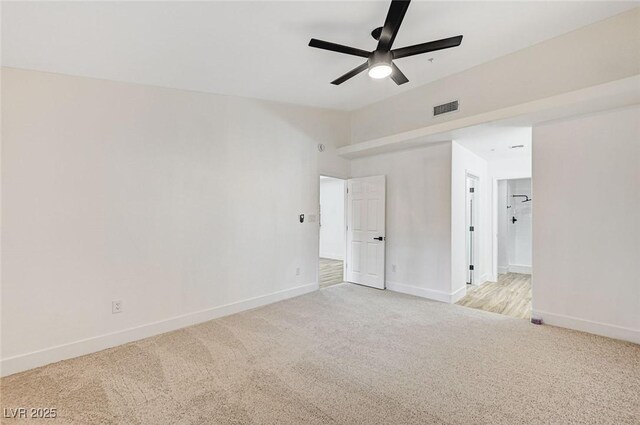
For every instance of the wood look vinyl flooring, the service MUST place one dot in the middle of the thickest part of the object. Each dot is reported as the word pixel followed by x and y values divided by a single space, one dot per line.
pixel 331 272
pixel 510 295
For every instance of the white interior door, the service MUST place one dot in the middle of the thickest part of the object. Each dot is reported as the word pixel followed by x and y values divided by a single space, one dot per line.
pixel 366 231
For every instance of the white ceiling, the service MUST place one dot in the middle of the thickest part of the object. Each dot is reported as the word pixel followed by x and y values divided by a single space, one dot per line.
pixel 259 49
pixel 494 141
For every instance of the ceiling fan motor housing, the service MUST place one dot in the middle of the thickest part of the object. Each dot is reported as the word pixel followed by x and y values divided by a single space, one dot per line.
pixel 378 57
pixel 376 33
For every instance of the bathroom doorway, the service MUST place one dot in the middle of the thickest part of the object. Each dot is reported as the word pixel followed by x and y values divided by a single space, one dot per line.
pixel 514 226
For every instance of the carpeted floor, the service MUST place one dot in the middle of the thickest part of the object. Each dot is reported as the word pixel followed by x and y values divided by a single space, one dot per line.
pixel 331 272
pixel 346 355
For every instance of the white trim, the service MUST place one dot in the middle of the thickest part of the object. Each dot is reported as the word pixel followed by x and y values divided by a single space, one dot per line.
pixel 57 353
pixel 484 279
pixel 475 219
pixel 503 269
pixel 519 268
pixel 590 326
pixel 431 294
pixel 331 255
pixel 458 294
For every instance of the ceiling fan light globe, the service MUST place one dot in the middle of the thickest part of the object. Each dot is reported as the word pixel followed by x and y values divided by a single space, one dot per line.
pixel 379 71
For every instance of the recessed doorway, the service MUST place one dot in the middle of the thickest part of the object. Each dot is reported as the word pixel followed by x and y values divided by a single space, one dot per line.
pixel 495 162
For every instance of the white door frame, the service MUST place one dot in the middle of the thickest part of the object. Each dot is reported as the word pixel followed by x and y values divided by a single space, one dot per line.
pixel 472 218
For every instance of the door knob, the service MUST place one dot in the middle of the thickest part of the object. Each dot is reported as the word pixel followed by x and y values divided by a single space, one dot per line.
pixel 379 238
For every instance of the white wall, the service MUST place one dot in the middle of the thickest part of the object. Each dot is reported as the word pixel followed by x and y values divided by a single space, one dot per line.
pixel 332 229
pixel 595 54
pixel 586 232
pixel 464 162
pixel 329 162
pixel 418 239
pixel 177 203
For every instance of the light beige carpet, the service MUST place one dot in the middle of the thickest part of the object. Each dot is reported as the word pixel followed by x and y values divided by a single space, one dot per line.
pixel 346 355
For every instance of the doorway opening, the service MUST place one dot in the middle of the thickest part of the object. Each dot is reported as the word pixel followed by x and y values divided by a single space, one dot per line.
pixel 492 252
pixel 514 235
pixel 332 231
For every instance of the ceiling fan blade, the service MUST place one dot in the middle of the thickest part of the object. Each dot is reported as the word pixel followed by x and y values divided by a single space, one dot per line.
pixel 431 46
pixel 350 74
pixel 392 24
pixel 326 45
pixel 397 76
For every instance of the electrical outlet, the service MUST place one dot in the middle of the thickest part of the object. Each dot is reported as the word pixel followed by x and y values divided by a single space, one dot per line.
pixel 116 307
pixel 297 271
pixel 393 268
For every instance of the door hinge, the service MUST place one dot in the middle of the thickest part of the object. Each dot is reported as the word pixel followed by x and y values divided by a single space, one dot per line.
pixel 471 267
pixel 471 228
pixel 472 189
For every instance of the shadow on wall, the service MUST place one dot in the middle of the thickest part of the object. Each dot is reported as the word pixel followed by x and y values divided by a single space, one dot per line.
pixel 331 137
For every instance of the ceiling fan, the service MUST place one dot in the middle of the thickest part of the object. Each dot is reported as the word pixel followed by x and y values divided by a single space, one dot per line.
pixel 380 61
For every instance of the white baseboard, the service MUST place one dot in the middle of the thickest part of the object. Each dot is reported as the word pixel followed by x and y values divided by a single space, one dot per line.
pixel 458 294
pixel 332 256
pixel 590 326
pixel 431 294
pixel 519 268
pixel 503 269
pixel 484 279
pixel 43 357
